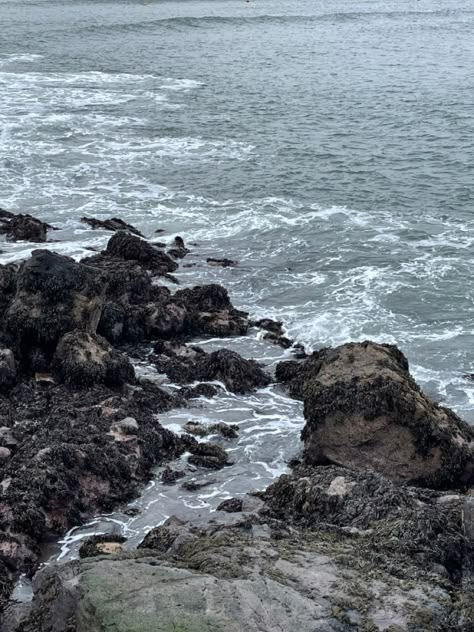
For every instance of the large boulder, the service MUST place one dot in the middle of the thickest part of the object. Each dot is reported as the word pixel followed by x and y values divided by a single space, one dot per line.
pixel 83 359
pixel 23 227
pixel 54 295
pixel 363 410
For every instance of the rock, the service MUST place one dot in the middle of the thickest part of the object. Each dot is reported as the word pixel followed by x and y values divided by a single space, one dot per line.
pixel 211 312
pixel 114 224
pixel 129 247
pixel 169 476
pixel 223 263
pixel 195 484
pixel 107 544
pixel 363 410
pixel 54 295
pixel 282 341
pixel 24 228
pixel 201 430
pixel 208 455
pixel 5 454
pixel 231 505
pixel 178 249
pixel 238 375
pixel 7 369
pixel 82 359
pixel 6 437
pixel 273 326
pixel 127 426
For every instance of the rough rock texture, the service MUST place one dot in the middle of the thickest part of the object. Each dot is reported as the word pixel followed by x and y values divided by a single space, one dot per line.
pixel 114 224
pixel 96 545
pixel 129 247
pixel 364 411
pixel 54 295
pixel 83 359
pixel 228 431
pixel 8 373
pixel 255 572
pixel 23 227
pixel 189 364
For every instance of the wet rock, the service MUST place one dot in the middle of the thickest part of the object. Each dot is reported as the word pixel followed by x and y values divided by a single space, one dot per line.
pixel 54 295
pixel 231 505
pixel 8 372
pixel 178 249
pixel 107 544
pixel 201 430
pixel 114 224
pixel 200 390
pixel 211 312
pixel 169 476
pixel 127 426
pixel 194 484
pixel 6 437
pixel 24 228
pixel 129 247
pixel 281 341
pixel 82 359
pixel 238 375
pixel 363 410
pixel 222 263
pixel 272 326
pixel 208 455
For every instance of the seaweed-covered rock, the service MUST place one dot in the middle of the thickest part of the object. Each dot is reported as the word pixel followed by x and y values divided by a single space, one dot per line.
pixel 54 295
pixel 238 375
pixel 211 312
pixel 107 544
pixel 178 249
pixel 83 359
pixel 129 247
pixel 363 410
pixel 23 227
pixel 207 455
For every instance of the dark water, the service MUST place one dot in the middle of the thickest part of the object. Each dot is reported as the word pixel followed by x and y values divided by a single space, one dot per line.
pixel 326 145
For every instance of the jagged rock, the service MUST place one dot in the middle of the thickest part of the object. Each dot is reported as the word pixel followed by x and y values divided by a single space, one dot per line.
pixel 363 410
pixel 83 359
pixel 114 224
pixel 238 375
pixel 7 369
pixel 54 295
pixel 6 437
pixel 211 312
pixel 5 454
pixel 129 247
pixel 107 544
pixel 23 227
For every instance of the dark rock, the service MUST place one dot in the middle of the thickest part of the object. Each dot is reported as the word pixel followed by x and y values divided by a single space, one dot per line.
pixel 281 341
pixel 195 484
pixel 201 430
pixel 24 228
pixel 231 505
pixel 82 359
pixel 129 247
pixel 364 411
pixel 178 249
pixel 238 375
pixel 200 390
pixel 169 476
pixel 222 263
pixel 8 373
pixel 54 295
pixel 272 326
pixel 107 544
pixel 208 455
pixel 114 224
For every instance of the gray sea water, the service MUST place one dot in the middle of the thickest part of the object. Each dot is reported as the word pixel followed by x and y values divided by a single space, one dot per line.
pixel 326 145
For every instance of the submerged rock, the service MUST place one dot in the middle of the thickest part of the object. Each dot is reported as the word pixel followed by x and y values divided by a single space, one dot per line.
pixel 228 431
pixel 222 263
pixel 114 224
pixel 82 359
pixel 363 410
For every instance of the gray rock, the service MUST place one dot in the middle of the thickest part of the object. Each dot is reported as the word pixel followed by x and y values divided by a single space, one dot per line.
pixel 5 454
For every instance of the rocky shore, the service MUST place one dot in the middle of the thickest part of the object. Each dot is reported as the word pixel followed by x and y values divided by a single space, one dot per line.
pixel 372 528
